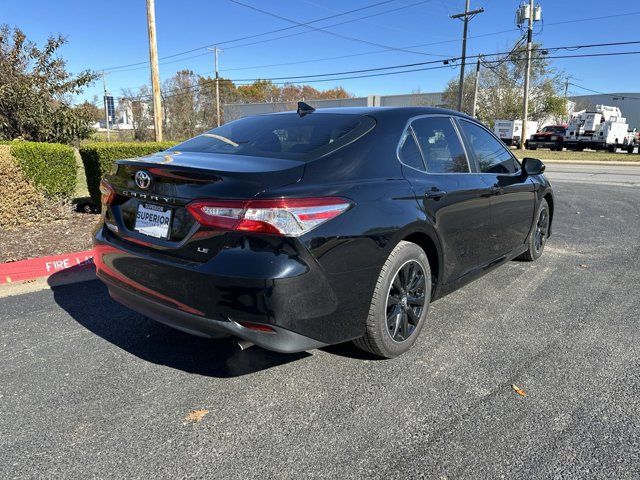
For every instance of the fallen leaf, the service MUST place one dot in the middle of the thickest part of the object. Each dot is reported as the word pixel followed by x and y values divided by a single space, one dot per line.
pixel 518 390
pixel 196 415
pixel 583 265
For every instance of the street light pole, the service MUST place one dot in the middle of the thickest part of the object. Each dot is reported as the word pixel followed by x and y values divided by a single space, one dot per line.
pixel 155 73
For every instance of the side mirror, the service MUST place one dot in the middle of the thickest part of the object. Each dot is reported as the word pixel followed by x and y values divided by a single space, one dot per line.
pixel 532 166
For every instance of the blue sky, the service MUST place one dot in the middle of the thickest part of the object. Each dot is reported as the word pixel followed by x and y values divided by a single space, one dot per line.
pixel 103 35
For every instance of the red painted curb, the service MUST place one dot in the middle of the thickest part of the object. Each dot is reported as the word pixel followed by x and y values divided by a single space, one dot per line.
pixel 44 266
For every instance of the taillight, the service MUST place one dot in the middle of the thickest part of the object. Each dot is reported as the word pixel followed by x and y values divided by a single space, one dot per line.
pixel 107 193
pixel 280 216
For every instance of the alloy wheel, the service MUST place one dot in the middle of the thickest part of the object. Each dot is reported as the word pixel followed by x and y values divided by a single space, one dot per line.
pixel 542 229
pixel 405 301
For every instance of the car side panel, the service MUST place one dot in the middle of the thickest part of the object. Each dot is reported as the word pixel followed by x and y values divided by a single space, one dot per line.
pixel 512 211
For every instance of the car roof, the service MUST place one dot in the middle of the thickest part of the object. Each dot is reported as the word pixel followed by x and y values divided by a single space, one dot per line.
pixel 384 112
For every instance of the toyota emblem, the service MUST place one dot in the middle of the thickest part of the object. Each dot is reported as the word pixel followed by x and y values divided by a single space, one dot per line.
pixel 143 179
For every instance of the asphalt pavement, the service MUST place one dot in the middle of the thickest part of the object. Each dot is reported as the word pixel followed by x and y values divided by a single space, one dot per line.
pixel 90 389
pixel 615 175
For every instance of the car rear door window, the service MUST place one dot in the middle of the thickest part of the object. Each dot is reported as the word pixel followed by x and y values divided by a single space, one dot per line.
pixel 409 152
pixel 440 145
pixel 491 154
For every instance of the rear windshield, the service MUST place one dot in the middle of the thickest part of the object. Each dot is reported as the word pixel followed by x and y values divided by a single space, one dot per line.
pixel 286 136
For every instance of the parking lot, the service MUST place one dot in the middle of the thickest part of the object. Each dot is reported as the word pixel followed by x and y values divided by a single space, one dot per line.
pixel 91 389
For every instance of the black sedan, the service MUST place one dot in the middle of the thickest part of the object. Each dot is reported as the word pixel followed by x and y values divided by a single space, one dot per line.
pixel 302 229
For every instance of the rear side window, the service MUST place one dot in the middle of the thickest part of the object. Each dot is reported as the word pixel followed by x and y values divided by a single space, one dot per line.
pixel 409 152
pixel 440 145
pixel 492 155
pixel 286 135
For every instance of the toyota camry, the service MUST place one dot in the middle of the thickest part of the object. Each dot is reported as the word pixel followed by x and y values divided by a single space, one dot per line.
pixel 297 230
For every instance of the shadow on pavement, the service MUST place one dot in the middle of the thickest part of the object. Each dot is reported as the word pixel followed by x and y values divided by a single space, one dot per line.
pixel 90 305
pixel 349 350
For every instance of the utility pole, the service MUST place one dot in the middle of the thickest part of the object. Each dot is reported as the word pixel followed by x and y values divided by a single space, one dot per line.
pixel 527 74
pixel 106 108
pixel 475 90
pixel 566 98
pixel 216 50
pixel 155 74
pixel 466 16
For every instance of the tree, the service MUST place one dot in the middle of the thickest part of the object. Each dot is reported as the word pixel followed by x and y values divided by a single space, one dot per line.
pixel 500 89
pixel 336 92
pixel 92 111
pixel 207 100
pixel 259 91
pixel 138 103
pixel 189 102
pixel 36 91
pixel 179 100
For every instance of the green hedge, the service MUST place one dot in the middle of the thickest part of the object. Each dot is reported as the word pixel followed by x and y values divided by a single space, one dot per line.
pixel 51 166
pixel 98 158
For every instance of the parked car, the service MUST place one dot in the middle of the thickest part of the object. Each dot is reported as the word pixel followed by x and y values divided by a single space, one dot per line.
pixel 550 137
pixel 299 230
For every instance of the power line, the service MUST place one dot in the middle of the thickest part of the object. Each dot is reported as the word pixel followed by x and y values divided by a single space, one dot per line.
pixel 237 82
pixel 450 59
pixel 564 22
pixel 338 57
pixel 372 52
pixel 381 25
pixel 613 95
pixel 338 24
pixel 317 29
pixel 256 35
pixel 587 89
pixel 117 67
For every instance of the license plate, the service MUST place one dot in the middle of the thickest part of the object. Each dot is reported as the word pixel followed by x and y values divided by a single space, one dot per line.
pixel 153 220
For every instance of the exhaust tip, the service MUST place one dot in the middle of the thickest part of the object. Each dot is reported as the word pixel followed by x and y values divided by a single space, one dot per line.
pixel 244 344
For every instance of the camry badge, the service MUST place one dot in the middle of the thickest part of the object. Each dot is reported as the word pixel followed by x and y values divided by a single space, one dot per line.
pixel 143 179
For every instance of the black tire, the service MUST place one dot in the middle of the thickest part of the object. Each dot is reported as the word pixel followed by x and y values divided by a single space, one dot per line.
pixel 538 236
pixel 380 338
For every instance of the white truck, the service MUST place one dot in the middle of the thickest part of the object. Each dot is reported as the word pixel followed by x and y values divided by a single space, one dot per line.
pixel 601 129
pixel 510 131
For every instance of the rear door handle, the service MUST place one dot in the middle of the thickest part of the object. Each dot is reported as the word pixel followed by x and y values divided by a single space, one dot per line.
pixel 435 194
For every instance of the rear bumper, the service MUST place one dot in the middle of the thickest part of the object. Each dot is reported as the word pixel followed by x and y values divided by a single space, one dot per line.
pixel 544 144
pixel 281 340
pixel 256 281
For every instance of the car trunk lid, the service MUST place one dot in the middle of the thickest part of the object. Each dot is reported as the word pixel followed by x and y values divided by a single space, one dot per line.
pixel 152 193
